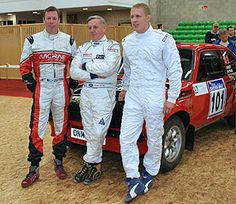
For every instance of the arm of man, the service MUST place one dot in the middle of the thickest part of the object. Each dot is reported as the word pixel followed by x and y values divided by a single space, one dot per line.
pixel 72 83
pixel 107 66
pixel 26 64
pixel 76 72
pixel 126 77
pixel 174 73
pixel 208 38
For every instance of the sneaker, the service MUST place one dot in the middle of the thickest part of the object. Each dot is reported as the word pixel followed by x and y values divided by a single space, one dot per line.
pixel 147 180
pixel 59 169
pixel 81 175
pixel 93 174
pixel 31 177
pixel 136 188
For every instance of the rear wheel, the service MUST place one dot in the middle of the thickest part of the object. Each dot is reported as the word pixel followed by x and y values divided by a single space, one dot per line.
pixel 173 143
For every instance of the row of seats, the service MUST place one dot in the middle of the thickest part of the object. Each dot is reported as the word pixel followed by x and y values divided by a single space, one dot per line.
pixel 206 23
pixel 187 32
pixel 195 31
pixel 201 27
pixel 189 37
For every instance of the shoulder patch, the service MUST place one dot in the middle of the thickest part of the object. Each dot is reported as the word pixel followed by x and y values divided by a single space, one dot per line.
pixel 72 40
pixel 165 37
pixel 30 39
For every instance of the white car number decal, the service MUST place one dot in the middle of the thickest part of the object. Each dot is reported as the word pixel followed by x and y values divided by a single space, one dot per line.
pixel 217 97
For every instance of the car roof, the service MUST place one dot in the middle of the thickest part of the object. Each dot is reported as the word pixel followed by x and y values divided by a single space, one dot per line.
pixel 199 46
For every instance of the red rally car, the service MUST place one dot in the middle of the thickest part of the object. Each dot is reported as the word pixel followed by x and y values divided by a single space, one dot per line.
pixel 208 94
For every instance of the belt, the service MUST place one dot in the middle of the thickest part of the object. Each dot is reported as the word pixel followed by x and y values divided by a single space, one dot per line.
pixel 98 85
pixel 52 80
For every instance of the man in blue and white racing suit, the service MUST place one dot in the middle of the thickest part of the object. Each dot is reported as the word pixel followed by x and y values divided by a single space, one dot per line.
pixel 96 63
pixel 150 58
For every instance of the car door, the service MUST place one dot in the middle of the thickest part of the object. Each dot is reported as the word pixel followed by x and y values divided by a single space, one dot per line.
pixel 230 81
pixel 210 95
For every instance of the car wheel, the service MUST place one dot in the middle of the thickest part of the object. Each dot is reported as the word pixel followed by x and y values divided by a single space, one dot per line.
pixel 173 143
pixel 231 120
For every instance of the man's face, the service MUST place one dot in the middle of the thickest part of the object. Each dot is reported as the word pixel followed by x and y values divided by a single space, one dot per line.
pixel 96 29
pixel 224 37
pixel 51 21
pixel 139 20
pixel 231 31
pixel 215 29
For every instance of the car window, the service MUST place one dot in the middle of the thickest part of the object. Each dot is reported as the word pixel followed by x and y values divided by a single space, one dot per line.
pixel 230 62
pixel 186 58
pixel 211 66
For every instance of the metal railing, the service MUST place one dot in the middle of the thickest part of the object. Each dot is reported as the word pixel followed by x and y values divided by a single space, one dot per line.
pixel 5 68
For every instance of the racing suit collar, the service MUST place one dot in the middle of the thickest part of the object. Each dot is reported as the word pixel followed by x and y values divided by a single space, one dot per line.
pixel 50 36
pixel 146 33
pixel 104 38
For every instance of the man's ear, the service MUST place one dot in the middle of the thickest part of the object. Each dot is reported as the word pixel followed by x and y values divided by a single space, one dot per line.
pixel 149 17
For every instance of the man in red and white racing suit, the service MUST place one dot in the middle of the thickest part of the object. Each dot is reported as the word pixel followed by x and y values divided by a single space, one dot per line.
pixel 150 58
pixel 47 54
pixel 96 63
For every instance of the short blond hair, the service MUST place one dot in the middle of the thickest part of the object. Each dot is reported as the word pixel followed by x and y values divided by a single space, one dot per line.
pixel 142 6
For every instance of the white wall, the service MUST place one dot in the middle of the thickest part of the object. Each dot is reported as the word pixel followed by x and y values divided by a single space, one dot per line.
pixel 30 5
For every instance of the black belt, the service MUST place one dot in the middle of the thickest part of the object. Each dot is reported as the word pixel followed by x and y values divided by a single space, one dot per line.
pixel 52 80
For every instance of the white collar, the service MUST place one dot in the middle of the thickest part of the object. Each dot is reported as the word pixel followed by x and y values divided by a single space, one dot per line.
pixel 50 36
pixel 146 33
pixel 104 38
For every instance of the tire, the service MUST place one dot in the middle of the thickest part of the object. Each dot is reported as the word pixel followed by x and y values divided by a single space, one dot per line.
pixel 231 120
pixel 173 143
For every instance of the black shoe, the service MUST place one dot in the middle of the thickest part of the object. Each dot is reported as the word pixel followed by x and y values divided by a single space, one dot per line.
pixel 81 175
pixel 93 174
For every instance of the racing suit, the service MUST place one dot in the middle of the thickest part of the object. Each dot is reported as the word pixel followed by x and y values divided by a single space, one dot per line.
pixel 93 59
pixel 48 56
pixel 149 59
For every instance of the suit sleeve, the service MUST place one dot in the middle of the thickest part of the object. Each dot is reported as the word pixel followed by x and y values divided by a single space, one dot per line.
pixel 107 66
pixel 76 72
pixel 174 70
pixel 208 38
pixel 127 71
pixel 26 64
pixel 26 61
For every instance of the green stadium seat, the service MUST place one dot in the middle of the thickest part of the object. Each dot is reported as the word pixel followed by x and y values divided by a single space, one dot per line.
pixel 195 31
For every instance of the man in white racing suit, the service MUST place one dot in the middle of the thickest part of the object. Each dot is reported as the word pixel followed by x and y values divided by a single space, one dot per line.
pixel 47 54
pixel 96 63
pixel 150 58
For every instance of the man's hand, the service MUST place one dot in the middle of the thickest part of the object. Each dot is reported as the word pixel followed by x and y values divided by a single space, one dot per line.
pixel 168 107
pixel 121 95
pixel 29 81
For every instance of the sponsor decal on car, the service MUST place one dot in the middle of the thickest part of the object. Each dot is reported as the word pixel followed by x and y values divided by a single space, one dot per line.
pixel 79 134
pixel 217 97
pixel 200 88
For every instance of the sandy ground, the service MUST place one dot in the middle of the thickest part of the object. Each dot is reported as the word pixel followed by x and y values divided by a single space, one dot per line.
pixel 205 175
